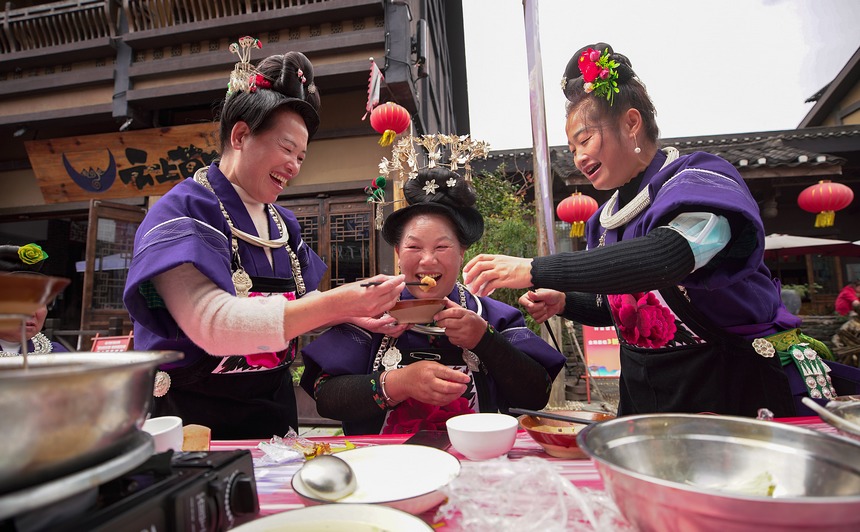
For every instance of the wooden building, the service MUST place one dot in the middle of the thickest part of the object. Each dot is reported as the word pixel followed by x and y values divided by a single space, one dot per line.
pixel 105 105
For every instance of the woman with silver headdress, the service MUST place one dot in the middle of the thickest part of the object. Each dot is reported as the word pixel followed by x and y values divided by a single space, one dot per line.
pixel 476 356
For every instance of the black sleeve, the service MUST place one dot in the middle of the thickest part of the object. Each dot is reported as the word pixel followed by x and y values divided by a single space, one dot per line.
pixel 522 381
pixel 659 259
pixel 582 308
pixel 349 398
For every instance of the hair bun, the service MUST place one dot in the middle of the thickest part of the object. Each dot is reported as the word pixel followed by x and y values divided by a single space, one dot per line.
pixel 439 185
pixel 292 76
pixel 625 69
pixel 437 190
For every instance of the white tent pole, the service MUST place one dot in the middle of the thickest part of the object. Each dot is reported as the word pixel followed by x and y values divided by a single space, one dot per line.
pixel 540 158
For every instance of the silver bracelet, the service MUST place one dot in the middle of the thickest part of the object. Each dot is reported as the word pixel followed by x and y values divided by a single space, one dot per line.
pixel 389 402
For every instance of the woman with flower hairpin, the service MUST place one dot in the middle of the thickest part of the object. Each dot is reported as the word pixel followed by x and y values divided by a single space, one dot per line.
pixel 28 259
pixel 215 243
pixel 674 262
pixel 478 355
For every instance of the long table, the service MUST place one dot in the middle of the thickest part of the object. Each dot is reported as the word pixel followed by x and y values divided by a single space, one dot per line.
pixel 276 495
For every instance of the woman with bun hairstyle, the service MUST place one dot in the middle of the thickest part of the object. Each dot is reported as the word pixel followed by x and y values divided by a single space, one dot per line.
pixel 220 272
pixel 674 261
pixel 476 356
pixel 27 259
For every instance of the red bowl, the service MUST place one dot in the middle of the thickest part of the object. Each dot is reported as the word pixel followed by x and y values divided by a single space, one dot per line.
pixel 558 438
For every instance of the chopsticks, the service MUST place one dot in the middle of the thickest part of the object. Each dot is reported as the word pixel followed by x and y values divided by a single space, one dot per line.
pixel 550 415
pixel 377 283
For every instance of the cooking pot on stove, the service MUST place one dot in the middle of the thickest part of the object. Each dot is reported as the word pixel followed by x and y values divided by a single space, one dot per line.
pixel 68 411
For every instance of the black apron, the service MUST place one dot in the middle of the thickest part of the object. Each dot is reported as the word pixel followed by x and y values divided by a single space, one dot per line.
pixel 723 375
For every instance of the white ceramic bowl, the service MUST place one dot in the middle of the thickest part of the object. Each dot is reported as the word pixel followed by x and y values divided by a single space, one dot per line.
pixel 482 436
pixel 166 432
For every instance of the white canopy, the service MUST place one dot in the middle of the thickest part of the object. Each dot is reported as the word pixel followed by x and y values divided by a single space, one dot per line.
pixel 781 241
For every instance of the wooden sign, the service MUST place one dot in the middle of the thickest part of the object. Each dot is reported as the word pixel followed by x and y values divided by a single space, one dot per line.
pixel 146 162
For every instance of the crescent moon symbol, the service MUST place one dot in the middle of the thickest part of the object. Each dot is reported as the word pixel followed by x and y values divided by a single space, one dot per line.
pixel 93 183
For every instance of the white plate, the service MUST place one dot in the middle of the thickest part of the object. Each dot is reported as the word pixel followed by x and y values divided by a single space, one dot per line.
pixel 428 329
pixel 335 518
pixel 406 477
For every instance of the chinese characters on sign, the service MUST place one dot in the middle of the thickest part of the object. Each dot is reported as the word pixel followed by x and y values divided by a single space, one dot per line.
pixel 147 162
pixel 601 351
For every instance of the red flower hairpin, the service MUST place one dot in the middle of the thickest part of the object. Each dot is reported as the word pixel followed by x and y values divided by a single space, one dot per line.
pixel 258 81
pixel 599 73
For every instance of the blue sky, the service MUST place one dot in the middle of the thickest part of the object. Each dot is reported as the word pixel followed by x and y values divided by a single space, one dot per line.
pixel 711 66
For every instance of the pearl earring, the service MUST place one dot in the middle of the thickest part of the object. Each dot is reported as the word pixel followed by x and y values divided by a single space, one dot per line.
pixel 636 150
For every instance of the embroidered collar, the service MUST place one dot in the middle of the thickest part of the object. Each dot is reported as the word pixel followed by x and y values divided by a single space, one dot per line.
pixel 241 281
pixel 610 220
pixel 41 346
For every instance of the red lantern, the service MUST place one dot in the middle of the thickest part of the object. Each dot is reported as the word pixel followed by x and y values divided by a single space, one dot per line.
pixel 390 120
pixel 576 209
pixel 825 198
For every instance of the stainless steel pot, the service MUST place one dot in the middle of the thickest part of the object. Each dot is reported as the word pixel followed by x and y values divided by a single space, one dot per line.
pixel 67 411
pixel 670 472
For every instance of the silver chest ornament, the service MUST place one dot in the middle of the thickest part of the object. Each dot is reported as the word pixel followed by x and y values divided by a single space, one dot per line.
pixel 391 358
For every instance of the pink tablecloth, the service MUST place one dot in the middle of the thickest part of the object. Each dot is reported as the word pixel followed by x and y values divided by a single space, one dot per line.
pixel 276 495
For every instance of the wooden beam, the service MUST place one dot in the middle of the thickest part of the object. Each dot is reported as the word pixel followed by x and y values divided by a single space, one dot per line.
pixel 58 81
pixel 255 23
pixel 801 170
pixel 220 60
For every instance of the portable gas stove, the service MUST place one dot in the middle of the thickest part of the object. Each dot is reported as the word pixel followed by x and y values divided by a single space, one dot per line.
pixel 182 492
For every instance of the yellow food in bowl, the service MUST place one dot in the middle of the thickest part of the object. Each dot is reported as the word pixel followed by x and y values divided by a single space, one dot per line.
pixel 558 430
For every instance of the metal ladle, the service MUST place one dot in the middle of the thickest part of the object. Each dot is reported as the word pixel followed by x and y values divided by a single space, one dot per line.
pixel 328 477
pixel 827 415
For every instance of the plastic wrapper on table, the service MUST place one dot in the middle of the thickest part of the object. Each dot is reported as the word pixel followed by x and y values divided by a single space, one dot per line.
pixel 525 495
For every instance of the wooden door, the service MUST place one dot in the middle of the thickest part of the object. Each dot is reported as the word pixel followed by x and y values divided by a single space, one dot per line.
pixel 110 243
pixel 340 229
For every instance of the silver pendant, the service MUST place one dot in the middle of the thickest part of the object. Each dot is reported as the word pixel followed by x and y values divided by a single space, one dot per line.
pixel 472 361
pixel 391 358
pixel 162 384
pixel 242 282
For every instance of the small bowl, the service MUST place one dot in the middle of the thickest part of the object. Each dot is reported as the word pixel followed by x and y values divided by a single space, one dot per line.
pixel 416 310
pixel 482 436
pixel 166 432
pixel 558 438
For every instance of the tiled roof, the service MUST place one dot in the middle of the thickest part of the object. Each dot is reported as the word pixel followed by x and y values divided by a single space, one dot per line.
pixel 770 149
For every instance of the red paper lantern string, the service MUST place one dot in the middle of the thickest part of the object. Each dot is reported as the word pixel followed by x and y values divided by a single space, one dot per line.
pixel 576 209
pixel 389 119
pixel 825 198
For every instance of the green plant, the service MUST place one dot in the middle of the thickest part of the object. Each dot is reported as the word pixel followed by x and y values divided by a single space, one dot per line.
pixel 296 373
pixel 803 289
pixel 509 227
